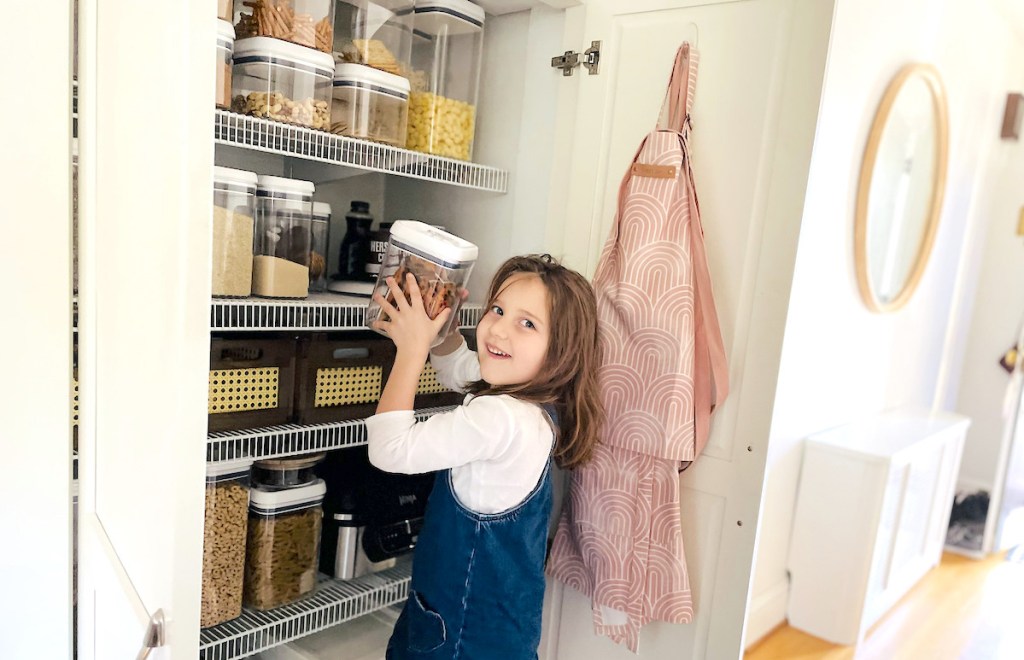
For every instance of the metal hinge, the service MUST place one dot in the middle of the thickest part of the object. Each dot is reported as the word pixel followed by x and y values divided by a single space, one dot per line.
pixel 590 58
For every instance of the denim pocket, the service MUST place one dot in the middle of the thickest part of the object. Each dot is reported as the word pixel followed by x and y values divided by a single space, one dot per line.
pixel 426 627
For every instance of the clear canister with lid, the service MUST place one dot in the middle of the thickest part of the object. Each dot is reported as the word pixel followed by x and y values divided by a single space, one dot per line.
pixel 277 80
pixel 224 537
pixel 234 201
pixel 370 104
pixel 281 246
pixel 321 229
pixel 441 263
pixel 376 33
pixel 225 48
pixel 292 472
pixel 283 546
pixel 447 48
pixel 308 23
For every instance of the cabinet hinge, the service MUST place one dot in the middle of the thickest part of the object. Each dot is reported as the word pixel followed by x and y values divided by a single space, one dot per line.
pixel 590 58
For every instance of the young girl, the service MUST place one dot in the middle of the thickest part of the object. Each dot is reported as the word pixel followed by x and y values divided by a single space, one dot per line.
pixel 478 571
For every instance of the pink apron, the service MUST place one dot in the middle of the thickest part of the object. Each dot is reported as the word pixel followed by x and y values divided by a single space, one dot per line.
pixel 619 540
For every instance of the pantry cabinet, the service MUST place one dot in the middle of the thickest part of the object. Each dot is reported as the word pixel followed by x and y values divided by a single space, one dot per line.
pixel 549 153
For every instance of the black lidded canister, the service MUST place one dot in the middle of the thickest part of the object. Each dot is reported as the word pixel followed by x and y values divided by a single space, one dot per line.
pixel 378 246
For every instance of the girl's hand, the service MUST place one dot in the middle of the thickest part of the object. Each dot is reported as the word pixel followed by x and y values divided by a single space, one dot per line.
pixel 408 324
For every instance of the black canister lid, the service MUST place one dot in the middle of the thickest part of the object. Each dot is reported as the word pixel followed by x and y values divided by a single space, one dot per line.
pixel 360 207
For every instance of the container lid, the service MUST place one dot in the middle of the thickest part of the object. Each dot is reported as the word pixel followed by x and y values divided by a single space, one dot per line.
pixel 225 32
pixel 231 176
pixel 265 501
pixel 438 246
pixel 259 49
pixel 265 182
pixel 321 211
pixel 291 463
pixel 458 16
pixel 350 74
pixel 224 470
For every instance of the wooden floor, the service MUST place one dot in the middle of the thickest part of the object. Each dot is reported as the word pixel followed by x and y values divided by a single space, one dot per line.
pixel 963 610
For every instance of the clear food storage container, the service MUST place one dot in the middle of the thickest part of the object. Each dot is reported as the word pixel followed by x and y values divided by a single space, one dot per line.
pixel 376 33
pixel 234 201
pixel 440 261
pixel 370 104
pixel 279 473
pixel 224 535
pixel 281 81
pixel 225 48
pixel 308 23
pixel 320 228
pixel 283 544
pixel 448 39
pixel 284 211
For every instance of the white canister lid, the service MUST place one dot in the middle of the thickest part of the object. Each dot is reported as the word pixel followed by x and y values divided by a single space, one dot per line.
pixel 223 470
pixel 231 176
pixel 348 72
pixel 321 211
pixel 439 246
pixel 225 33
pixel 265 501
pixel 466 17
pixel 279 184
pixel 254 48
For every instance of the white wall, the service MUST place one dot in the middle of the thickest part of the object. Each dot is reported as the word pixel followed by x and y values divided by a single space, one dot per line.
pixel 840 361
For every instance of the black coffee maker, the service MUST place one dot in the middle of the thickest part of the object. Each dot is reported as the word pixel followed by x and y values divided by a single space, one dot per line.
pixel 371 517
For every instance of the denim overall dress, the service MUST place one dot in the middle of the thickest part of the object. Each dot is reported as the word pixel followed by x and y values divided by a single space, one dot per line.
pixel 477 588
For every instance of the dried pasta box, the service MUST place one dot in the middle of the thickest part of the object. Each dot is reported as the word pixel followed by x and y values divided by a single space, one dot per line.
pixel 251 383
pixel 340 380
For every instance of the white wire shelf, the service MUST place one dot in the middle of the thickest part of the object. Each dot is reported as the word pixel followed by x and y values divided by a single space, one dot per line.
pixel 321 311
pixel 278 138
pixel 292 439
pixel 333 602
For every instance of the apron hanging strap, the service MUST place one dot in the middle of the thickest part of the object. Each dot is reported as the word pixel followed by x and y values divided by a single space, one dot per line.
pixel 681 86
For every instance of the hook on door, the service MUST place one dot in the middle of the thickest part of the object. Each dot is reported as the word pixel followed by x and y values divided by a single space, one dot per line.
pixel 155 635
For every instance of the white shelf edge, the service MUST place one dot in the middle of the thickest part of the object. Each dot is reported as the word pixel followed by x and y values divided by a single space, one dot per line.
pixel 268 136
pixel 321 311
pixel 292 439
pixel 333 602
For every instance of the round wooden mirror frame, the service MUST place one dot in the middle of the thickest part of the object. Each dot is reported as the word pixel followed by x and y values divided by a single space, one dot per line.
pixel 930 76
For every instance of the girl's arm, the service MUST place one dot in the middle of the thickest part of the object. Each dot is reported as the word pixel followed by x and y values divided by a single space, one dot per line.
pixel 412 331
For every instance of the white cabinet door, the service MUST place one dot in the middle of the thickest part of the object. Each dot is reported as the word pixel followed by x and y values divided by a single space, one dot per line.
pixel 35 387
pixel 756 103
pixel 146 158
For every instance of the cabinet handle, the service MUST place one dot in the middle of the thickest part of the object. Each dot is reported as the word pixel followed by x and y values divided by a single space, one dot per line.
pixel 154 637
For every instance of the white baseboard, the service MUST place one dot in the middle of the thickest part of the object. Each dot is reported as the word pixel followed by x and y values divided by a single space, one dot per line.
pixel 767 611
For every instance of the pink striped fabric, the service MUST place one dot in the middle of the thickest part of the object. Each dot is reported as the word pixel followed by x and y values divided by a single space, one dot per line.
pixel 620 538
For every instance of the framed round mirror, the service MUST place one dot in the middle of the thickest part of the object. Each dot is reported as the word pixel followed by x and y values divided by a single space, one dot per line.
pixel 902 182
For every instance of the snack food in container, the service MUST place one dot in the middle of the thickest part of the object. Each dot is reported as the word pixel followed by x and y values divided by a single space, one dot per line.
pixel 283 82
pixel 441 263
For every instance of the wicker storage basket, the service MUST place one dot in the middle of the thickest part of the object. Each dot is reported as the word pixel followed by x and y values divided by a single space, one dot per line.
pixel 251 383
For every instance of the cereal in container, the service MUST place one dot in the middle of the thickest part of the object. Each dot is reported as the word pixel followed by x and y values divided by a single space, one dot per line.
pixel 224 535
pixel 447 47
pixel 376 33
pixel 441 263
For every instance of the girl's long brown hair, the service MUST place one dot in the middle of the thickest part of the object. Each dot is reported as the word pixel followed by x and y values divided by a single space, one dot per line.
pixel 568 376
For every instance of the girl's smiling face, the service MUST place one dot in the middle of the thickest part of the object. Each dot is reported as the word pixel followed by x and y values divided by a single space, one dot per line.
pixel 512 337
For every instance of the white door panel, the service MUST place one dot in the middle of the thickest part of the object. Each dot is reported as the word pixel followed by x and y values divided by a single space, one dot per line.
pixel 759 83
pixel 146 158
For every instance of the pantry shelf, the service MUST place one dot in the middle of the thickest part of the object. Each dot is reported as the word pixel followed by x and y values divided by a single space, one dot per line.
pixel 323 311
pixel 286 140
pixel 292 439
pixel 333 602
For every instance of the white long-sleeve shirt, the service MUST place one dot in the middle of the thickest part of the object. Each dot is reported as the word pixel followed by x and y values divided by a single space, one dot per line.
pixel 497 446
